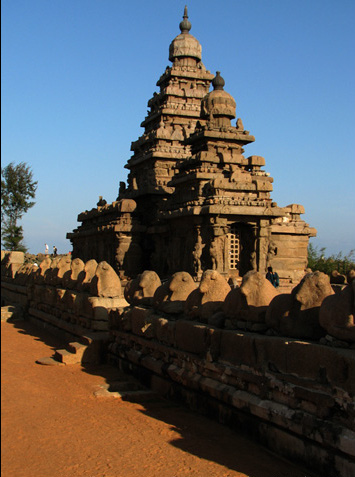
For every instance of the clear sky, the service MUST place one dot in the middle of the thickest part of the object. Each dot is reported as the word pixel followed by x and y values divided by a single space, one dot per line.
pixel 77 76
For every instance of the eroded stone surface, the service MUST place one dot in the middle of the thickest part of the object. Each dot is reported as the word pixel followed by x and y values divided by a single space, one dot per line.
pixel 105 282
pixel 250 301
pixel 141 290
pixel 209 297
pixel 297 314
pixel 171 296
pixel 337 313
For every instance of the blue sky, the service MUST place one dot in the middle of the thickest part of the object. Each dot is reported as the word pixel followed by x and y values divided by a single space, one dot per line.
pixel 77 76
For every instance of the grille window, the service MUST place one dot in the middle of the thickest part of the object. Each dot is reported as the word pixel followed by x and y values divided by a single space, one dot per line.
pixel 233 248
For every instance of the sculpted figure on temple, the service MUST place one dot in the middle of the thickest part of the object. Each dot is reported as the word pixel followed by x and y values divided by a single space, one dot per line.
pixel 171 296
pixel 337 314
pixel 141 290
pixel 164 131
pixel 123 247
pixel 217 253
pixel 297 314
pixel 272 251
pixel 196 254
pixel 209 297
pixel 177 133
pixel 121 189
pixel 187 130
pixel 101 202
pixel 106 282
pixel 240 126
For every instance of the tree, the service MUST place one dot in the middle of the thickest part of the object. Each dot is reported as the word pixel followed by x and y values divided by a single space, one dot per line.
pixel 318 261
pixel 17 190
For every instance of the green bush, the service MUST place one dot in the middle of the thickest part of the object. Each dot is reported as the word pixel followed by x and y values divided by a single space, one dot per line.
pixel 318 261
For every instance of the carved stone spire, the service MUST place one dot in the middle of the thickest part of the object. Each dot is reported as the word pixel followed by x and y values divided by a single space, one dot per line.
pixel 218 82
pixel 185 45
pixel 185 25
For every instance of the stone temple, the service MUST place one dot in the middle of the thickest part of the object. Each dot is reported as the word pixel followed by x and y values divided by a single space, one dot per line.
pixel 193 201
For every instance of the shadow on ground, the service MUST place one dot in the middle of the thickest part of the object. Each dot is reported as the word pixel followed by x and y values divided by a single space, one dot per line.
pixel 199 435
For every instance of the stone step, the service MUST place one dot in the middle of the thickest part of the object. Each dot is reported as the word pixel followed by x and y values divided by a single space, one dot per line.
pixel 77 348
pixel 142 395
pixel 48 361
pixel 6 315
pixel 10 311
pixel 89 338
pixel 126 391
pixel 66 357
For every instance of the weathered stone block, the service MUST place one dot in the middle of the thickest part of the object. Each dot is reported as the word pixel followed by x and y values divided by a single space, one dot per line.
pixel 142 322
pixel 196 338
pixel 324 364
pixel 165 331
pixel 237 348
pixel 337 314
pixel 271 354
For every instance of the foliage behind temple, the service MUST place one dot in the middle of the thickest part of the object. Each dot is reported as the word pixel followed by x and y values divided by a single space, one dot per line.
pixel 318 261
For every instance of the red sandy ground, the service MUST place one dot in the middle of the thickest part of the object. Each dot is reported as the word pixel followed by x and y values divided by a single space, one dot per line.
pixel 54 426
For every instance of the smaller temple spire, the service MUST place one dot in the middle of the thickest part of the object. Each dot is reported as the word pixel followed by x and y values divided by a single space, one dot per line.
pixel 185 25
pixel 218 82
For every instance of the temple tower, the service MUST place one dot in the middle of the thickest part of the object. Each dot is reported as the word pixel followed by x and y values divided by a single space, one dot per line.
pixel 193 201
pixel 171 119
pixel 221 215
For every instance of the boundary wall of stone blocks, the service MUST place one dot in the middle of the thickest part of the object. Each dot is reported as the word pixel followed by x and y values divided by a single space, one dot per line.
pixel 294 395
pixel 68 298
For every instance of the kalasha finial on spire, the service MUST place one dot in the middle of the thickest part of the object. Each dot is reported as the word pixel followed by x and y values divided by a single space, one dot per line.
pixel 218 82
pixel 185 25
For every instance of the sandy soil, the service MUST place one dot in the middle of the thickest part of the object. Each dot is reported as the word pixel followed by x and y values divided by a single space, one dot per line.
pixel 53 425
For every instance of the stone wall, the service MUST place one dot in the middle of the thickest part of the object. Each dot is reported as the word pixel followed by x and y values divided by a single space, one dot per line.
pixel 295 397
pixel 63 294
pixel 281 367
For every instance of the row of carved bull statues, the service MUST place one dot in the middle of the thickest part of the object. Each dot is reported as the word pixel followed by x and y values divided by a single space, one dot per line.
pixel 312 311
pixel 68 293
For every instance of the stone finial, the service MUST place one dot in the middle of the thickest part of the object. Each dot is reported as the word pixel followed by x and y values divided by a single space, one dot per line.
pixel 185 45
pixel 218 82
pixel 185 25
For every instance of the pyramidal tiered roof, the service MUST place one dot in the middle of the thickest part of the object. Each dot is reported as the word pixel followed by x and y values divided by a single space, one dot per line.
pixel 173 115
pixel 217 172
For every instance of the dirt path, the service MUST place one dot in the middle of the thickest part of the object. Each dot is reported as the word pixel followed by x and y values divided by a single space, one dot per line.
pixel 53 425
